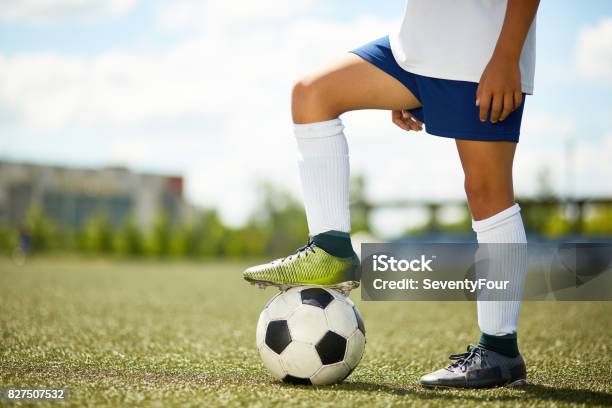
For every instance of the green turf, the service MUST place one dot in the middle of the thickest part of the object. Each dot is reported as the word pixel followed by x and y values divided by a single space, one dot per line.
pixel 165 334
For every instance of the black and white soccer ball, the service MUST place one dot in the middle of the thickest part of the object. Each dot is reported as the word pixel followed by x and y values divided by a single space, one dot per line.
pixel 310 335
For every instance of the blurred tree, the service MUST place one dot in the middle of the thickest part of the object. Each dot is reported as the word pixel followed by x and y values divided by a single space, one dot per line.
pixel 41 230
pixel 281 220
pixel 245 242
pixel 128 239
pixel 600 222
pixel 8 240
pixel 535 216
pixel 183 240
pixel 157 242
pixel 556 224
pixel 360 208
pixel 97 235
pixel 210 235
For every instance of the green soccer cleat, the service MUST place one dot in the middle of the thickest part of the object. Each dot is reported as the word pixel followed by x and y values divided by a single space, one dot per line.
pixel 312 265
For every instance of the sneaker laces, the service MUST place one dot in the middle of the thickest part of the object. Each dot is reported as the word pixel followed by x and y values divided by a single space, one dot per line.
pixel 464 360
pixel 306 249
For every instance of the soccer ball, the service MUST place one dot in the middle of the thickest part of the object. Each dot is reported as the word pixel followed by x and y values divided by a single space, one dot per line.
pixel 310 335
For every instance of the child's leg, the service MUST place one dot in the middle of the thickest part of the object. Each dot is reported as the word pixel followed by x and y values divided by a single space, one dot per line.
pixel 349 84
pixel 488 176
pixel 497 220
pixel 318 100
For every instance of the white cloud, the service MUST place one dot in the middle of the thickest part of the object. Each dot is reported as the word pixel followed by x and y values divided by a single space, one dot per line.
pixel 234 71
pixel 58 10
pixel 594 51
pixel 237 15
pixel 591 168
pixel 226 64
pixel 543 126
pixel 577 166
pixel 180 15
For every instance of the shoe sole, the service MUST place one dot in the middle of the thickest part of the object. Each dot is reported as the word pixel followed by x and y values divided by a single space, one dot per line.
pixel 517 383
pixel 344 287
pixel 512 384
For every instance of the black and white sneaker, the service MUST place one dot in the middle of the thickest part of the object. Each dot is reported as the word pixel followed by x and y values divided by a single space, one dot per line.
pixel 478 368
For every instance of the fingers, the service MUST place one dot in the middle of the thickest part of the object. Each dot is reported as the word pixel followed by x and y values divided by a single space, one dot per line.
pixel 484 101
pixel 500 104
pixel 396 117
pixel 508 106
pixel 496 107
pixel 406 121
pixel 414 123
pixel 518 99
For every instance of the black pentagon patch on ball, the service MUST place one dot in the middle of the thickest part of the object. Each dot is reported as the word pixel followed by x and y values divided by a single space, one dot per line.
pixel 318 297
pixel 278 336
pixel 360 324
pixel 331 348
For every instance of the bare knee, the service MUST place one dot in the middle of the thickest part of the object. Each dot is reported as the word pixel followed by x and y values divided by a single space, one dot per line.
pixel 311 101
pixel 477 189
pixel 487 196
pixel 304 94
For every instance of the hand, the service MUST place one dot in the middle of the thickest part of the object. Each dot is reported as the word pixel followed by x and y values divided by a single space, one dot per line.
pixel 499 89
pixel 406 120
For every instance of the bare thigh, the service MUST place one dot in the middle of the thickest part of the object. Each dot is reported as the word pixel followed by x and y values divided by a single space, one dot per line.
pixel 349 84
pixel 488 175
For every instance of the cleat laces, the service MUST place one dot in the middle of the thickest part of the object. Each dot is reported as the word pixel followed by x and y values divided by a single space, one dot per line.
pixel 301 251
pixel 464 360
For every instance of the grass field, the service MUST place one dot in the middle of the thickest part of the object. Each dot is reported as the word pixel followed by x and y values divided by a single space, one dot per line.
pixel 165 334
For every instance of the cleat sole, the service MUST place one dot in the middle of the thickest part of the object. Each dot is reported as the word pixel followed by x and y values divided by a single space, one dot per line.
pixel 344 287
pixel 517 383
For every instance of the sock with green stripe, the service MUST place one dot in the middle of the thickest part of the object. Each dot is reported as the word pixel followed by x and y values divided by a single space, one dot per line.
pixel 505 345
pixel 336 243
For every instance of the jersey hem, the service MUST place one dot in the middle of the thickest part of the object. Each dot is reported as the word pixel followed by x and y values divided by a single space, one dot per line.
pixel 432 73
pixel 525 88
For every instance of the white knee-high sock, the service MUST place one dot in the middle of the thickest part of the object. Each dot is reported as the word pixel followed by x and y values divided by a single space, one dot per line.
pixel 505 262
pixel 324 171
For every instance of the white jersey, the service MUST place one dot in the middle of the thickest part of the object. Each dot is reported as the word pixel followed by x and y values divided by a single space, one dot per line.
pixel 455 39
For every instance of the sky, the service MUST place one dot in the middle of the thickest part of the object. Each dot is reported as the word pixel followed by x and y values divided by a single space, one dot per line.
pixel 202 88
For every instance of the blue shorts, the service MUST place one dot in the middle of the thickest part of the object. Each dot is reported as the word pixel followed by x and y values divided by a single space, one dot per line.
pixel 447 107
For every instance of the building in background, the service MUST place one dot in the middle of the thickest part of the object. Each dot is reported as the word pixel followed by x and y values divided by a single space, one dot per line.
pixel 70 195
